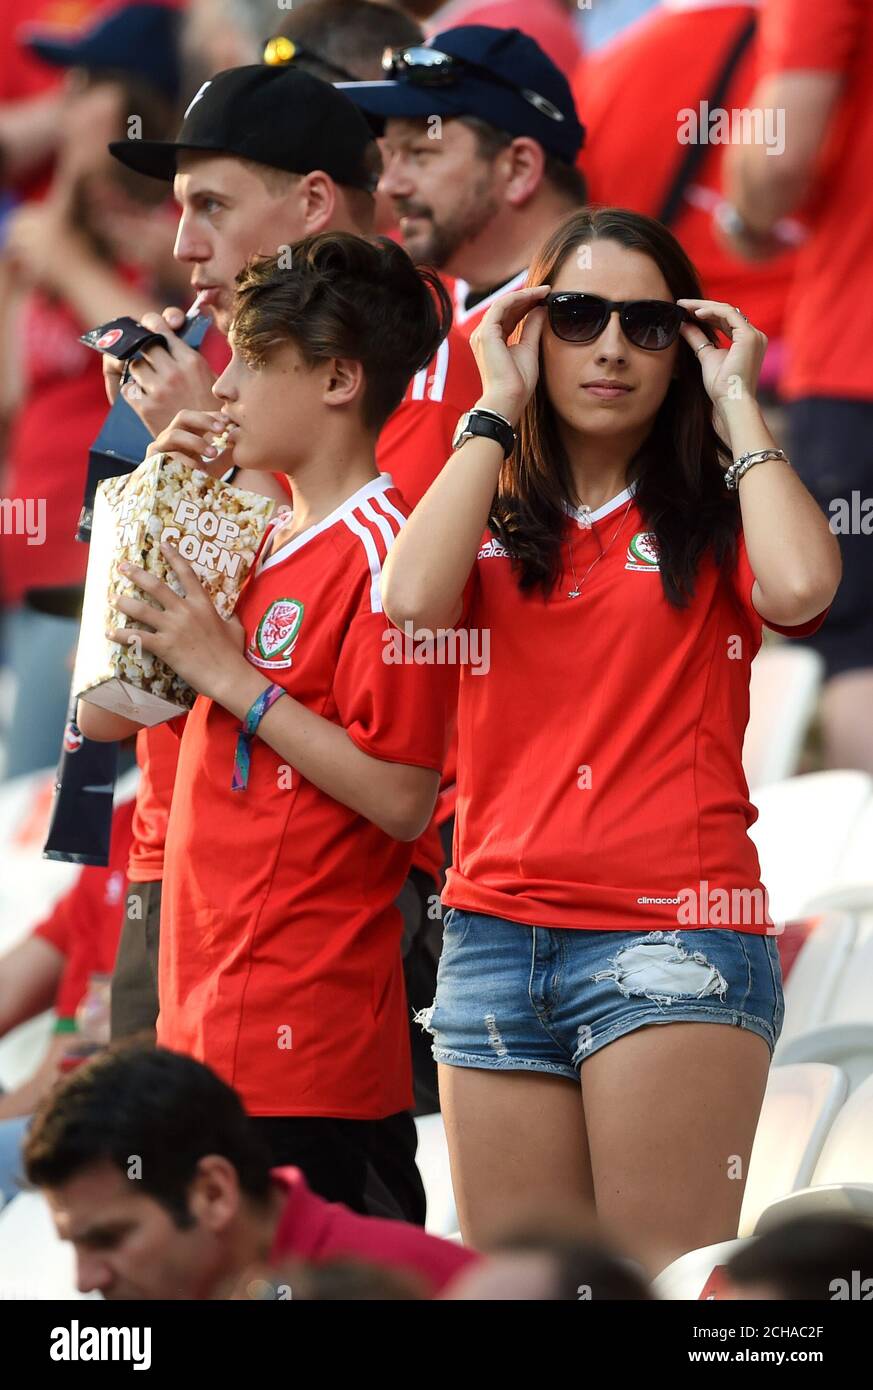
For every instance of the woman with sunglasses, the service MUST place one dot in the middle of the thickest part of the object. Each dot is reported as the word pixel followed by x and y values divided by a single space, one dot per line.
pixel 604 884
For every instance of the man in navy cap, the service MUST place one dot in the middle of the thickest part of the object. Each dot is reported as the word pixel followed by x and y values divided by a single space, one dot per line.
pixel 481 141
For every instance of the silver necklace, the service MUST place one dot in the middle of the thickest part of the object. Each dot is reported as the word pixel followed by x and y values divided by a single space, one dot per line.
pixel 587 523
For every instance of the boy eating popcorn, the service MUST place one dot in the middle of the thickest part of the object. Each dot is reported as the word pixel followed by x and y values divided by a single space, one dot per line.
pixel 308 764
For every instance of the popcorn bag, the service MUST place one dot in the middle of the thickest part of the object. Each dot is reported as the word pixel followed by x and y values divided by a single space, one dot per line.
pixel 216 527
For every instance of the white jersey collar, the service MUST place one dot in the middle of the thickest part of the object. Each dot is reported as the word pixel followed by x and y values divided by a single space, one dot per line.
pixel 586 517
pixel 462 289
pixel 371 489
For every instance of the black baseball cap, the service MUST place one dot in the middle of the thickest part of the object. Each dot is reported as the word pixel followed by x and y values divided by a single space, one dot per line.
pixel 141 39
pixel 278 116
pixel 500 75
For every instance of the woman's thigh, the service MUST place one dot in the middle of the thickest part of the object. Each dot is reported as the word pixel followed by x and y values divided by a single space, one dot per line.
pixel 672 1112
pixel 517 1149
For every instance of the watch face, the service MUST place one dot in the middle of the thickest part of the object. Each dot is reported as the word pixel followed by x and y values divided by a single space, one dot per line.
pixel 460 431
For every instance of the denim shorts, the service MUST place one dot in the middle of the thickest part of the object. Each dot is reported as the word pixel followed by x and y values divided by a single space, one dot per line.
pixel 521 998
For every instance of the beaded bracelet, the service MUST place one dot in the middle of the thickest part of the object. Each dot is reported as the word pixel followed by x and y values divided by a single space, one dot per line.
pixel 243 759
pixel 746 461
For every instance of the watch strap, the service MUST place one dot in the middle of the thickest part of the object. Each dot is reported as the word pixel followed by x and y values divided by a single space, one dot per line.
pixel 490 425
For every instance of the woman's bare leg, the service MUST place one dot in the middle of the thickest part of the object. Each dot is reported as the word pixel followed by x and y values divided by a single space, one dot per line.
pixel 671 1113
pixel 517 1148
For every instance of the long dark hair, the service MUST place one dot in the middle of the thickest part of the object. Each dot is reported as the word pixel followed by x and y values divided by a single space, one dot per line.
pixel 677 474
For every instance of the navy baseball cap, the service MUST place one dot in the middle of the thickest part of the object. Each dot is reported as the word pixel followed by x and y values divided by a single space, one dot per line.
pixel 500 75
pixel 140 39
pixel 282 117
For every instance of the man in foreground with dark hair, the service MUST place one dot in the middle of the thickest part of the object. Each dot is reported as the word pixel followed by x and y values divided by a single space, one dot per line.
pixel 155 1174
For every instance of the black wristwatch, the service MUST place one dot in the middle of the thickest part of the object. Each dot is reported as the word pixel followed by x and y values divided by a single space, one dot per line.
pixel 488 423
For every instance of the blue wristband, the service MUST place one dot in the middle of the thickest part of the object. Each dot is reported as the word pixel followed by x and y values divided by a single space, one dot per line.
pixel 243 759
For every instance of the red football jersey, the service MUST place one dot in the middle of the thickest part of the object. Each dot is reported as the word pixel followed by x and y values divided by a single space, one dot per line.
pixel 413 446
pixel 280 964
pixel 416 440
pixel 469 319
pixel 600 759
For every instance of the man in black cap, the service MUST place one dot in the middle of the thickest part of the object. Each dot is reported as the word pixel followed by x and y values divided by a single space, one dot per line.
pixel 266 156
pixel 481 141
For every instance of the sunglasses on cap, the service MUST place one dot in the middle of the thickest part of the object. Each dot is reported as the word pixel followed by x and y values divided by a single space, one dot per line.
pixel 428 67
pixel 652 324
pixel 280 51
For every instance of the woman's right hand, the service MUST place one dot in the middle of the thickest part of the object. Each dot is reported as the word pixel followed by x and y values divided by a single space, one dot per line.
pixel 510 371
pixel 189 437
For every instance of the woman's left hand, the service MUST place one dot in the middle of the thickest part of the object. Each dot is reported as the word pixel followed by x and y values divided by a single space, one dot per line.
pixel 187 633
pixel 731 373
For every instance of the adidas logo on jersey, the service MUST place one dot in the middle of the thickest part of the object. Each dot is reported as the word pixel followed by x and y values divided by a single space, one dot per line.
pixel 492 550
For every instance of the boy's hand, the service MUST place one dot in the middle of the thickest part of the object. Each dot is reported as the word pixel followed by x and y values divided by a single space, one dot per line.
pixel 190 437
pixel 187 633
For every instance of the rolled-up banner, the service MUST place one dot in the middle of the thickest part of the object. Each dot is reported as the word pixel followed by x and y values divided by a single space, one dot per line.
pixel 81 820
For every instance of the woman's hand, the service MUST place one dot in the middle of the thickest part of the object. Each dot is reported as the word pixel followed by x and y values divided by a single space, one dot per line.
pixel 729 374
pixel 187 633
pixel 191 436
pixel 510 372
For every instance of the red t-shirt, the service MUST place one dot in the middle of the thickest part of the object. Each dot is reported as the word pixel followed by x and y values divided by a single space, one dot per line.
pixel 157 752
pixel 280 964
pixel 315 1230
pixel 416 441
pixel 827 327
pixel 630 95
pixel 47 457
pixel 85 924
pixel 547 21
pixel 413 446
pixel 599 768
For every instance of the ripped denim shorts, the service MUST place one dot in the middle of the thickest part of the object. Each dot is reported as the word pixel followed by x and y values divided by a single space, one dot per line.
pixel 521 998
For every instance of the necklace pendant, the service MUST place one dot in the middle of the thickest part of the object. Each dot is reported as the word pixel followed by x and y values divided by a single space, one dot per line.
pixel 574 593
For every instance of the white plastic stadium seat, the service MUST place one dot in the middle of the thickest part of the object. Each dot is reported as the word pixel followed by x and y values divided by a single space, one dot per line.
pixel 22 1050
pixel 433 1164
pixel 804 827
pixel 842 1035
pixel 686 1277
pixel 843 1176
pixel 815 976
pixel 34 1262
pixel 801 1105
pixel 29 884
pixel 848 1046
pixel 784 689
pixel 851 886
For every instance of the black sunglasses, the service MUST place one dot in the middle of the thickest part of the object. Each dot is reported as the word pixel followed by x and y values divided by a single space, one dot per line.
pixel 652 324
pixel 428 67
